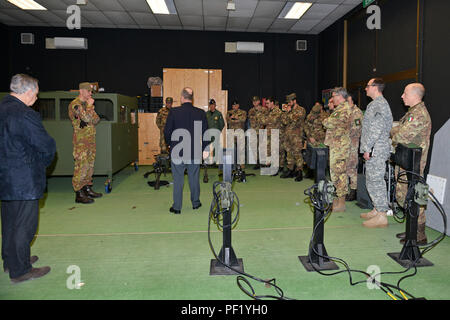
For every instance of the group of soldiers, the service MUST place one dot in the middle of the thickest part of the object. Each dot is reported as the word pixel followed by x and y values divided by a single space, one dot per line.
pixel 342 127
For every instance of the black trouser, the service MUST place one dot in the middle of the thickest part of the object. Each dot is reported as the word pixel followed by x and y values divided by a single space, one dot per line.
pixel 19 225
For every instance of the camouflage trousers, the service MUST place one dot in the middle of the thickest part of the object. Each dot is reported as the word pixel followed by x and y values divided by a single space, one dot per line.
pixel 338 173
pixel 352 166
pixel 402 189
pixel 84 156
pixel 283 153
pixel 162 142
pixel 294 156
pixel 238 146
pixel 375 183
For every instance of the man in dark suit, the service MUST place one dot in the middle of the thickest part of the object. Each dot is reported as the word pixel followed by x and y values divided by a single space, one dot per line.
pixel 26 150
pixel 188 123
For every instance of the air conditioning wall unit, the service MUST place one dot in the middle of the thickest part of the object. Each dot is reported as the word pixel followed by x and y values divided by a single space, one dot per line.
pixel 249 47
pixel 71 43
pixel 301 45
pixel 27 38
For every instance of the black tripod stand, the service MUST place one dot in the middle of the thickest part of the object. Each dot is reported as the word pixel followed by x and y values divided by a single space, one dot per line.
pixel 317 158
pixel 160 166
pixel 408 157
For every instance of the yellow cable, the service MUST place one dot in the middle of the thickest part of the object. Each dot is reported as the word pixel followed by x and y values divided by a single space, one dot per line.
pixel 403 295
pixel 390 295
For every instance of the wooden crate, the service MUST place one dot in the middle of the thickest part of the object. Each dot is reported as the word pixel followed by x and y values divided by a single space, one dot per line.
pixel 148 138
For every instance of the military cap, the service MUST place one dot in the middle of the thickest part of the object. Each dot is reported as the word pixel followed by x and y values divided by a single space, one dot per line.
pixel 255 98
pixel 235 102
pixel 169 99
pixel 85 85
pixel 291 96
pixel 316 108
pixel 212 101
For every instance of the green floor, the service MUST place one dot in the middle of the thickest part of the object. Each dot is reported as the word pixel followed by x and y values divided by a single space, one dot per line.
pixel 128 246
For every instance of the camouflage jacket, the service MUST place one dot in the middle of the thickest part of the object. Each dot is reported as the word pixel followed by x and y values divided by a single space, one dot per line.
pixel 356 123
pixel 294 120
pixel 161 118
pixel 337 127
pixel 272 119
pixel 314 127
pixel 414 127
pixel 252 116
pixel 83 118
pixel 240 116
pixel 376 127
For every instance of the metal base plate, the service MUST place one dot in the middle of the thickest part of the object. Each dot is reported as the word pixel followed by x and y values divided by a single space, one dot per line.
pixel 408 263
pixel 161 183
pixel 218 269
pixel 327 265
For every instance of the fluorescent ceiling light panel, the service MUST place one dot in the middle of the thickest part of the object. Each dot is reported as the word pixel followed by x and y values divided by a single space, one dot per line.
pixel 295 10
pixel 162 6
pixel 27 4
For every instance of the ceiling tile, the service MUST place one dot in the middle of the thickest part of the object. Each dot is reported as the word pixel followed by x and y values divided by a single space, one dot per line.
pixel 319 11
pixel 189 7
pixel 118 17
pixel 216 22
pixel 143 18
pixel 260 23
pixel 216 8
pixel 54 4
pixel 192 21
pixel 305 25
pixel 96 17
pixel 168 20
pixel 135 5
pixel 244 8
pixel 110 5
pixel 268 9
pixel 241 23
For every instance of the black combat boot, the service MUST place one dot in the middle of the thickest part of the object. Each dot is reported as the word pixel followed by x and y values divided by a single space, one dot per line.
pixel 81 197
pixel 299 176
pixel 287 174
pixel 91 193
pixel 351 196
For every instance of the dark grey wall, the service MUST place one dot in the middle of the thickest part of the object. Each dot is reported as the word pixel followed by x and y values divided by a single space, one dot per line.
pixel 121 60
pixel 4 57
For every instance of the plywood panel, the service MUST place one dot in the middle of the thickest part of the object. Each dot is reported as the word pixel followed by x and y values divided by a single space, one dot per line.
pixel 197 79
pixel 173 83
pixel 148 138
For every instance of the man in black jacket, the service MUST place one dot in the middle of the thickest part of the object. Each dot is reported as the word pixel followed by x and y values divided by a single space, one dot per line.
pixel 188 123
pixel 26 150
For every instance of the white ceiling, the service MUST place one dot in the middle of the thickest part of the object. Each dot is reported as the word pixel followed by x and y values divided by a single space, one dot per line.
pixel 207 15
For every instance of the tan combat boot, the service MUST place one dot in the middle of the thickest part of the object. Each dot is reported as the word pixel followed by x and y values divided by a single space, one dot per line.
pixel 379 221
pixel 369 215
pixel 339 204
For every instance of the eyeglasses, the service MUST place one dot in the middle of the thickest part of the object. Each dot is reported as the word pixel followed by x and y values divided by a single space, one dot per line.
pixel 371 85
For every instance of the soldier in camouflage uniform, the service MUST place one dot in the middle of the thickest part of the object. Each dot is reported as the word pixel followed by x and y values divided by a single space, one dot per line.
pixel 252 116
pixel 355 135
pixel 236 120
pixel 161 119
pixel 314 129
pixel 414 127
pixel 294 122
pixel 84 118
pixel 338 139
pixel 271 120
pixel 215 120
pixel 376 147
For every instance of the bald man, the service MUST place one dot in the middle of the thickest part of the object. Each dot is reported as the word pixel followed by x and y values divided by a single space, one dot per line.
pixel 414 127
